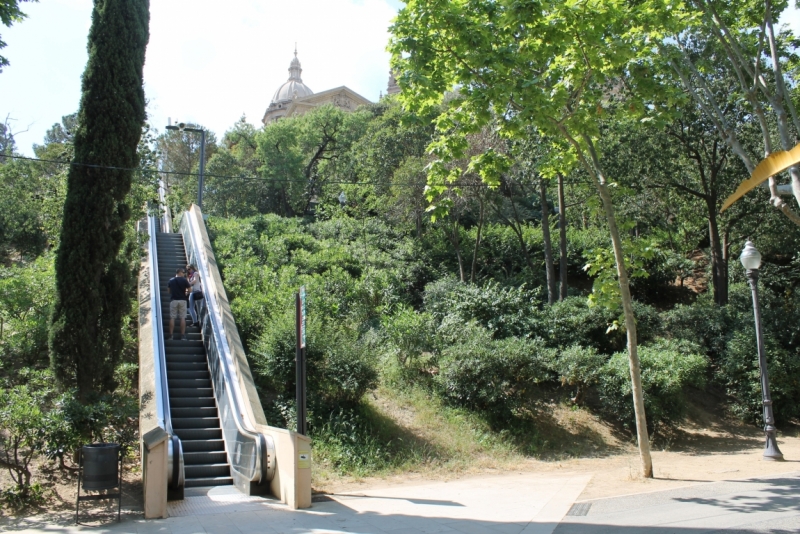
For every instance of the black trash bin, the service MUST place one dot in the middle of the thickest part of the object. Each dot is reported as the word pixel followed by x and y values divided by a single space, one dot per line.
pixel 100 469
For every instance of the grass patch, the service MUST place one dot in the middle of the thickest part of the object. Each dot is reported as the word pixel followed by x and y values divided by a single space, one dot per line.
pixel 407 431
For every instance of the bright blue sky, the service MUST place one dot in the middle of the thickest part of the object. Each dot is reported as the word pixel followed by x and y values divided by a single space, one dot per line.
pixel 205 63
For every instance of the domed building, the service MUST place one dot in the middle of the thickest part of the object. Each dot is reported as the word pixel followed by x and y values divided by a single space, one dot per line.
pixel 296 98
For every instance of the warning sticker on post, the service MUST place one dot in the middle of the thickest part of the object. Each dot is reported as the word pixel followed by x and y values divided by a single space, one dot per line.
pixel 304 460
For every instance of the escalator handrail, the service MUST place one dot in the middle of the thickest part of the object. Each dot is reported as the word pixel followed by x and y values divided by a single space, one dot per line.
pixel 159 352
pixel 233 388
pixel 163 414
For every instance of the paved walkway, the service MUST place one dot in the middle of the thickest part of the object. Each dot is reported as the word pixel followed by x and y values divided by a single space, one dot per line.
pixel 743 506
pixel 512 504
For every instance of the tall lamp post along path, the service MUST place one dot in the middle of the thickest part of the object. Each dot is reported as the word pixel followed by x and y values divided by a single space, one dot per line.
pixel 183 127
pixel 751 260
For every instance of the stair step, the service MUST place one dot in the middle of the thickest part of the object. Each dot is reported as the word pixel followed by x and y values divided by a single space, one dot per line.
pixel 203 445
pixel 191 402
pixel 213 481
pixel 206 470
pixel 205 457
pixel 172 349
pixel 203 374
pixel 190 392
pixel 203 412
pixel 189 366
pixel 195 422
pixel 186 358
pixel 193 383
pixel 192 434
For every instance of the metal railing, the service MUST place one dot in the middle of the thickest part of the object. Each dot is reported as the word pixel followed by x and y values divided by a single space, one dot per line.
pixel 175 469
pixel 251 453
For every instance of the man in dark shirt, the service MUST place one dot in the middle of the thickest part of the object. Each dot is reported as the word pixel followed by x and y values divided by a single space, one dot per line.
pixel 178 292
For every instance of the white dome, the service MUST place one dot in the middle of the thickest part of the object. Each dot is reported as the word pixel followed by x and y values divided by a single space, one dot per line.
pixel 294 86
pixel 288 90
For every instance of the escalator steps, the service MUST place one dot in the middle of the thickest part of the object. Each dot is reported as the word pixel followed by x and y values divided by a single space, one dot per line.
pixel 195 418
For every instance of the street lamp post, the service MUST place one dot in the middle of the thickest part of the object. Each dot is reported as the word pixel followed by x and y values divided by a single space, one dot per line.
pixel 751 260
pixel 192 128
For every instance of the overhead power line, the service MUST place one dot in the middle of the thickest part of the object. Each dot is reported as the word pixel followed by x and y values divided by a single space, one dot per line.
pixel 257 179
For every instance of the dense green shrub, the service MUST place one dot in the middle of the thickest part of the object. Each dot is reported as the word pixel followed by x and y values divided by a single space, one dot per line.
pixel 26 298
pixel 505 311
pixel 492 376
pixel 668 368
pixel 340 367
pixel 578 367
pixel 575 321
pixel 739 373
pixel 703 322
pixel 23 422
pixel 408 334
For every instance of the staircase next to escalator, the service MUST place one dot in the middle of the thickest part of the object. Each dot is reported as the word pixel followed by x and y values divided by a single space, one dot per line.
pixel 193 409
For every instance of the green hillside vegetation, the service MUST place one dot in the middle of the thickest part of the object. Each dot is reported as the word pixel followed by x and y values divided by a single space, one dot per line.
pixel 464 245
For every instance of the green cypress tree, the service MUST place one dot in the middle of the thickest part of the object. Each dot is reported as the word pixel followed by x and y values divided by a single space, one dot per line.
pixel 92 273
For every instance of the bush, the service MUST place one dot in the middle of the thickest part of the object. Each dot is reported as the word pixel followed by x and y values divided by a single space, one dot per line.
pixel 23 424
pixel 339 367
pixel 504 311
pixel 739 373
pixel 407 341
pixel 573 321
pixel 668 368
pixel 703 322
pixel 349 442
pixel 578 367
pixel 492 376
pixel 26 298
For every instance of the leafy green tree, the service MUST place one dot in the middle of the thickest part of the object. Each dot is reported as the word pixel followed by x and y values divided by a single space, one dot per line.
pixel 179 156
pixel 302 154
pixel 549 65
pixel 232 186
pixel 9 14
pixel 738 40
pixel 91 274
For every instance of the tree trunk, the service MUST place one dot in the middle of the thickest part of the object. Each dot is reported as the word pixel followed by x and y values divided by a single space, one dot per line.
pixel 562 235
pixel 719 266
pixel 453 238
pixel 548 248
pixel 477 242
pixel 627 309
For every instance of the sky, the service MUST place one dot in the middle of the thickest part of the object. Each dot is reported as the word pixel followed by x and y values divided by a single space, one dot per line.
pixel 204 64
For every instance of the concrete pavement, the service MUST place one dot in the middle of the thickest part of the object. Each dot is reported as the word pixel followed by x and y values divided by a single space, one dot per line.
pixel 742 506
pixel 511 504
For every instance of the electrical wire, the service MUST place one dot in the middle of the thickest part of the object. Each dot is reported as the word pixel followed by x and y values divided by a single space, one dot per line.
pixel 253 179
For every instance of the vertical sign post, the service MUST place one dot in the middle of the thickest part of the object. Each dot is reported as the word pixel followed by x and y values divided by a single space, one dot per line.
pixel 300 359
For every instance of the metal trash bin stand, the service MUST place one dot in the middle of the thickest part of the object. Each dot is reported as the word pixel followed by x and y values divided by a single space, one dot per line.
pixel 100 468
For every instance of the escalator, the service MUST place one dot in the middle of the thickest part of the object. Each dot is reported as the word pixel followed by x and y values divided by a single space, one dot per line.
pixel 193 408
pixel 201 420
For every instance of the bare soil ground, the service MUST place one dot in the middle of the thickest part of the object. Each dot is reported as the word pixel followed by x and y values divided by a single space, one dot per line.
pixel 60 490
pixel 708 447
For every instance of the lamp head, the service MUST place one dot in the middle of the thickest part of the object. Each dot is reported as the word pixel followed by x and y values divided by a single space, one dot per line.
pixel 750 258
